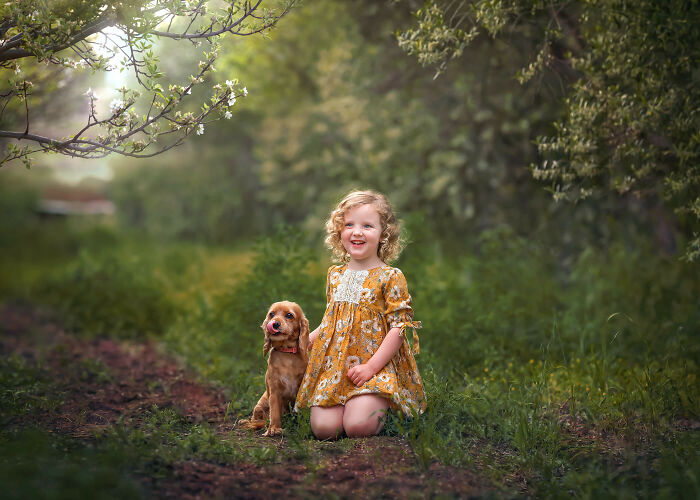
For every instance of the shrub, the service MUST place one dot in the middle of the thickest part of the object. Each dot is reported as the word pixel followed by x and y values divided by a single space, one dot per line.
pixel 111 293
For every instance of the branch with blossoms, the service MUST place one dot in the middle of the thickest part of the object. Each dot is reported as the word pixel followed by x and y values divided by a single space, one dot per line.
pixel 79 34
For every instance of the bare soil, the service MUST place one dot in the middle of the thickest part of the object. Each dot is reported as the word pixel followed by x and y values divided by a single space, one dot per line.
pixel 138 375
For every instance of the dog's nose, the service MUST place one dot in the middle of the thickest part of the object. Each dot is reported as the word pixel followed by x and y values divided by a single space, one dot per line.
pixel 276 325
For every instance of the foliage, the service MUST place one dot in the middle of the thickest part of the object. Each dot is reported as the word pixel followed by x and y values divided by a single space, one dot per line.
pixel 337 105
pixel 363 116
pixel 95 33
pixel 436 39
pixel 630 118
pixel 112 292
pixel 206 194
pixel 509 299
pixel 283 269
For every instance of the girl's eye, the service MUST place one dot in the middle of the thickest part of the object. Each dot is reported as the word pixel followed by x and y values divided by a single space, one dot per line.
pixel 289 315
pixel 271 314
pixel 368 225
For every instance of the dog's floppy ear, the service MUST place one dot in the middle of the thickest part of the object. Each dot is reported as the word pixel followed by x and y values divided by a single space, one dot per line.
pixel 304 333
pixel 268 344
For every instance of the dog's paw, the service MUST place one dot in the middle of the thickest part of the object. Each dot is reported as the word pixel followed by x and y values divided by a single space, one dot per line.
pixel 273 431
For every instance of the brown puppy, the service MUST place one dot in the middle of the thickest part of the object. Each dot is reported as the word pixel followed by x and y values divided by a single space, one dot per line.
pixel 287 340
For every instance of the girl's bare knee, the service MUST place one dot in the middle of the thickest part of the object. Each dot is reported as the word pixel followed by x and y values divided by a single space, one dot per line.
pixel 358 429
pixel 327 423
pixel 364 415
pixel 326 431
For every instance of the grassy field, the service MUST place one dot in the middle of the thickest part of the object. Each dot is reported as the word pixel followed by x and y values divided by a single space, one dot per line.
pixel 552 377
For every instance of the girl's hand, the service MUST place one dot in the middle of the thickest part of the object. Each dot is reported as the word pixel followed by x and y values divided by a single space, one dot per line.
pixel 360 374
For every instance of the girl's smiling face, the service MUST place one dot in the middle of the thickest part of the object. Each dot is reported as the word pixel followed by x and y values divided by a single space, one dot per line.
pixel 362 229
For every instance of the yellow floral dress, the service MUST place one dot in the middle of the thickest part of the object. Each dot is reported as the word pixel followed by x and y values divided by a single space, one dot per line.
pixel 362 307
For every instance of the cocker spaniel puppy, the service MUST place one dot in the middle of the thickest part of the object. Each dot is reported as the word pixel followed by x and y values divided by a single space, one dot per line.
pixel 286 332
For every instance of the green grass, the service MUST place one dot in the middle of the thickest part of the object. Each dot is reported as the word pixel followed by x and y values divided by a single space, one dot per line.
pixel 44 465
pixel 574 375
pixel 24 389
pixel 36 464
pixel 161 437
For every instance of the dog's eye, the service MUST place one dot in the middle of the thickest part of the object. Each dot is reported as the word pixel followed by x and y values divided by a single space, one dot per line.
pixel 272 313
pixel 289 315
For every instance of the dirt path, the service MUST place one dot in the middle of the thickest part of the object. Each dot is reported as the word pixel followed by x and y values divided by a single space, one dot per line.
pixel 105 379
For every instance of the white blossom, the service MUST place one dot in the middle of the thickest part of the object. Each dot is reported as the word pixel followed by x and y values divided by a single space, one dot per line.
pixel 229 83
pixel 228 115
pixel 91 94
pixel 231 101
pixel 116 105
pixel 245 91
pixel 200 129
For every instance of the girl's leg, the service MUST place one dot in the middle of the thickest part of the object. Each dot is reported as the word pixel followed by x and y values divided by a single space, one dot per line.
pixel 327 423
pixel 364 415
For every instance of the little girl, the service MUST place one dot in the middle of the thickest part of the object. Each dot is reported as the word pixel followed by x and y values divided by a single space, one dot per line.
pixel 360 363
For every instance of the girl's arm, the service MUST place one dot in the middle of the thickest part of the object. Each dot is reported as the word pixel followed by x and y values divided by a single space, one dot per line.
pixel 398 311
pixel 313 335
pixel 390 345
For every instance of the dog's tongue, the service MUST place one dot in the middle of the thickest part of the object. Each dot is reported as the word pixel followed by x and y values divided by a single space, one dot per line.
pixel 271 329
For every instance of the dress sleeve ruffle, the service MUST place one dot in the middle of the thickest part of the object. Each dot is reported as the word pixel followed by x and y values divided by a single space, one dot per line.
pixel 398 310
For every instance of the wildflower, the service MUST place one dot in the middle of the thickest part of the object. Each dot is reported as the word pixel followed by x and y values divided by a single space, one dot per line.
pixel 17 69
pixel 228 115
pixel 532 361
pixel 245 91
pixel 200 129
pixel 486 370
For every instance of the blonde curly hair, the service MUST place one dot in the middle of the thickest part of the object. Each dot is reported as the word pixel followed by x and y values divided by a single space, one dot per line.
pixel 390 242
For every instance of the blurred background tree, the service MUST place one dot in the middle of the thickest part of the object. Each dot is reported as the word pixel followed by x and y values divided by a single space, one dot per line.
pixel 629 76
pixel 336 103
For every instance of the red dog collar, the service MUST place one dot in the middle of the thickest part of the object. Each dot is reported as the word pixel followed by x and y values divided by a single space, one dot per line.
pixel 293 350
